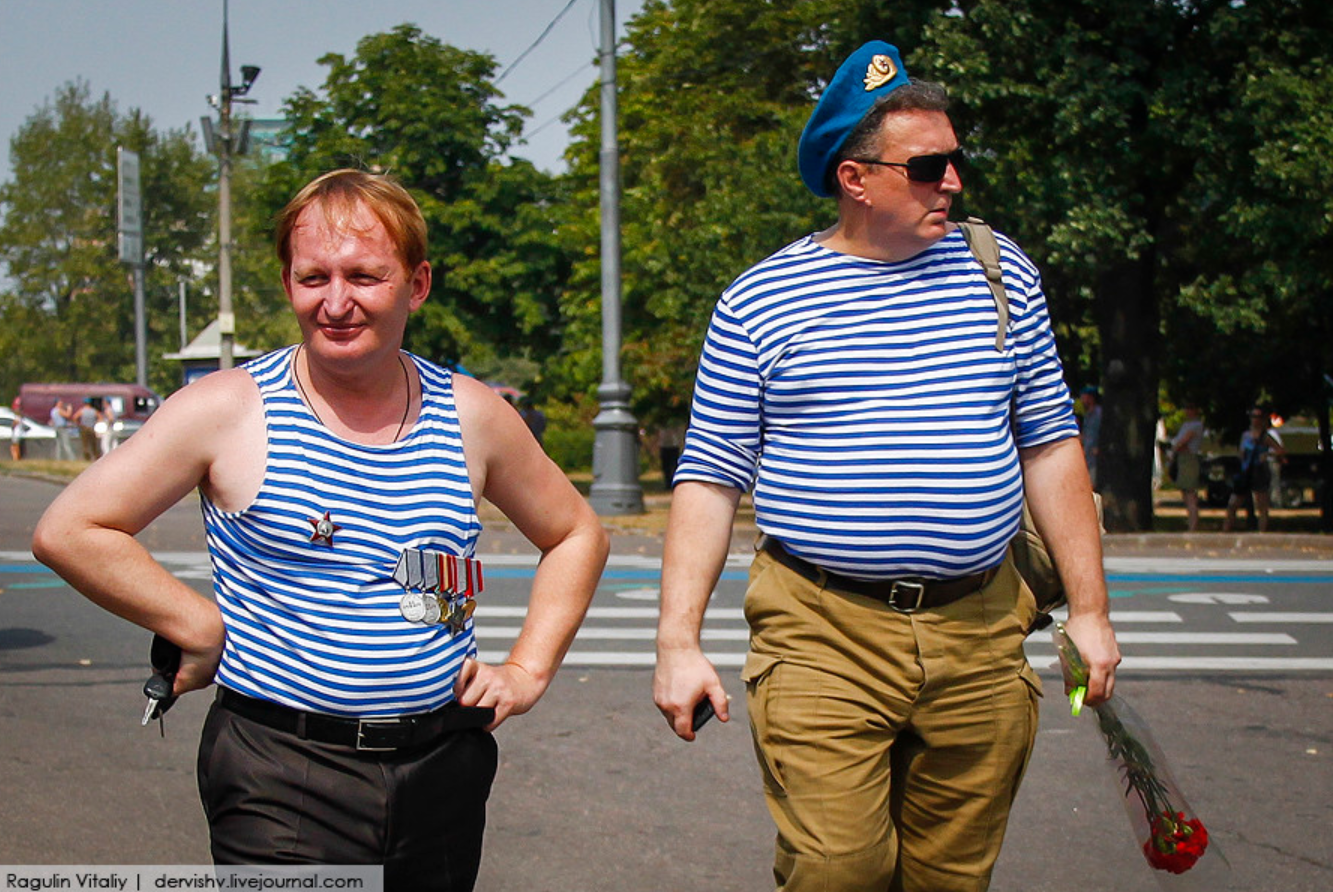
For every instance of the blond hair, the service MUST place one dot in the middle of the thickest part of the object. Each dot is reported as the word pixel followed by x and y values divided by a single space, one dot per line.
pixel 339 193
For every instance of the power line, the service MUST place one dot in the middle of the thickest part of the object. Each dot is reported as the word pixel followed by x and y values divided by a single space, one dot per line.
pixel 582 69
pixel 535 43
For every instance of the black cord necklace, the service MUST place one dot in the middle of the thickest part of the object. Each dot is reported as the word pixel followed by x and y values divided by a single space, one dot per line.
pixel 407 409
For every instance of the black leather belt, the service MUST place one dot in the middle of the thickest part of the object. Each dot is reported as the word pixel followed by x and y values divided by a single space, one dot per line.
pixel 366 735
pixel 903 595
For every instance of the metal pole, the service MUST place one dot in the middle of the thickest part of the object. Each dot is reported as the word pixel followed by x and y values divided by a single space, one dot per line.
pixel 140 329
pixel 226 318
pixel 184 331
pixel 615 457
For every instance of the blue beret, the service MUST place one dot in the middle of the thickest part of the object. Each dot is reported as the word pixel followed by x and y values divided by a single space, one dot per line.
pixel 869 74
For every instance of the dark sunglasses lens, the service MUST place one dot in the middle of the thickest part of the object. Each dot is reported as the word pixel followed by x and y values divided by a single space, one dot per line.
pixel 931 168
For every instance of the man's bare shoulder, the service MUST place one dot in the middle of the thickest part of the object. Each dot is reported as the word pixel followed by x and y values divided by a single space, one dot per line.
pixel 217 398
pixel 476 401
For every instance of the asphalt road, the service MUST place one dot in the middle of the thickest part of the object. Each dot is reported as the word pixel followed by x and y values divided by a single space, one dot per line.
pixel 595 794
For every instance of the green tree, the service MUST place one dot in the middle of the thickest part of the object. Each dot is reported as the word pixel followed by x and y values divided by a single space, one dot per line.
pixel 1257 321
pixel 69 312
pixel 712 97
pixel 1100 129
pixel 429 114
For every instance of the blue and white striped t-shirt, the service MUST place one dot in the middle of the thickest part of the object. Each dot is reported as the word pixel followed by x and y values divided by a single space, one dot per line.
pixel 317 626
pixel 866 403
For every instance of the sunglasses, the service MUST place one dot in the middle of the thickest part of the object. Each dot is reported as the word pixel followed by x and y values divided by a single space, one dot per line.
pixel 923 168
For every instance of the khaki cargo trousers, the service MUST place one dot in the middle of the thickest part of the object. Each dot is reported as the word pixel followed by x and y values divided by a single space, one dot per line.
pixel 891 745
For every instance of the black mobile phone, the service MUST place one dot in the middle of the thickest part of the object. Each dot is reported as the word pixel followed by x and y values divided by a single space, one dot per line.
pixel 703 711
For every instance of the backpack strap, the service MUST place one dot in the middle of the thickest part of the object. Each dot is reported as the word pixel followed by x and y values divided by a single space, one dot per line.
pixel 981 242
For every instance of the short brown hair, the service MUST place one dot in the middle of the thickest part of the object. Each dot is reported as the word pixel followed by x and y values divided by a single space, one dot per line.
pixel 339 192
pixel 863 141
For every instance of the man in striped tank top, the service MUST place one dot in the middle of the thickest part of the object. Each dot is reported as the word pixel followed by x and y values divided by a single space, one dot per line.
pixel 859 382
pixel 339 481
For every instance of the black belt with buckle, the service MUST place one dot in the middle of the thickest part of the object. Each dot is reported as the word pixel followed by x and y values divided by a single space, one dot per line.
pixel 370 735
pixel 903 595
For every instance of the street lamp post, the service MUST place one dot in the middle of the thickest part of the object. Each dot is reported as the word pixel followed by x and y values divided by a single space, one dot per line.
pixel 615 456
pixel 225 142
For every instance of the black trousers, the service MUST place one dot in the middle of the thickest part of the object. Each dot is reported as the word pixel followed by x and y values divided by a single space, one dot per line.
pixel 273 798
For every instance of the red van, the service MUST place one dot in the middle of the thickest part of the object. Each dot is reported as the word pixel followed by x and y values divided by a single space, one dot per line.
pixel 130 403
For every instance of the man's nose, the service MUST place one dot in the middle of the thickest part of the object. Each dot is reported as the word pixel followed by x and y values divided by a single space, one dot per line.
pixel 338 297
pixel 951 182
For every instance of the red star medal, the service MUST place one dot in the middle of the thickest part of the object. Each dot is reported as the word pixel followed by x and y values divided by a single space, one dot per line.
pixel 324 529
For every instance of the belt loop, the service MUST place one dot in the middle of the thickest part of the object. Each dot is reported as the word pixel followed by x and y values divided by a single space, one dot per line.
pixel 300 725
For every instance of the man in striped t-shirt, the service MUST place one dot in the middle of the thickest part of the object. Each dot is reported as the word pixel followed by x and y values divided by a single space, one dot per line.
pixel 855 380
pixel 339 482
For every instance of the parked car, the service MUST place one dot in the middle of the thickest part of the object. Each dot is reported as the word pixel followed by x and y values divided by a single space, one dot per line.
pixel 1297 480
pixel 39 440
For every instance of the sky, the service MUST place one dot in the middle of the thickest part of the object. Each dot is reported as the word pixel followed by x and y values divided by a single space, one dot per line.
pixel 164 56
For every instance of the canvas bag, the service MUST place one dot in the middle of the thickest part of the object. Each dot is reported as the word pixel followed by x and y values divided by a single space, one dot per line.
pixel 1030 555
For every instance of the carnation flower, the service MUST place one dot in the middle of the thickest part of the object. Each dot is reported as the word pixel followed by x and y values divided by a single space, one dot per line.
pixel 1173 838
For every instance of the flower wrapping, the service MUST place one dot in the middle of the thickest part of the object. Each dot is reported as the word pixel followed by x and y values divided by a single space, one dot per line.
pixel 1174 840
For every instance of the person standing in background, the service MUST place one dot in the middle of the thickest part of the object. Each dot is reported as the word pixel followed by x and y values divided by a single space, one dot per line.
pixel 1184 457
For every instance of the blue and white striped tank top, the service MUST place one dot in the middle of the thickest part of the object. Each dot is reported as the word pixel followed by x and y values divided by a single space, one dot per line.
pixel 315 625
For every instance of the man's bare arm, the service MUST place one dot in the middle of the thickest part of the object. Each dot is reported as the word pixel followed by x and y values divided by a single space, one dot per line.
pixel 513 473
pixel 695 553
pixel 87 534
pixel 1059 493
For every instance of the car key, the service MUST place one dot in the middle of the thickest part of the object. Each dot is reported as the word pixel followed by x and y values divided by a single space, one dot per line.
pixel 165 658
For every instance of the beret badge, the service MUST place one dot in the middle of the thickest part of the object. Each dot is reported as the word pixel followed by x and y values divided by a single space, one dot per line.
pixel 879 72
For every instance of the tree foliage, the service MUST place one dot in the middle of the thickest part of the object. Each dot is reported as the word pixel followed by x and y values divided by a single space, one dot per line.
pixel 1123 142
pixel 68 311
pixel 712 94
pixel 429 114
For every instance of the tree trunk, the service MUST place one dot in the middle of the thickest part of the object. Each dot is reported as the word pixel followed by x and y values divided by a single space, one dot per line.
pixel 1127 320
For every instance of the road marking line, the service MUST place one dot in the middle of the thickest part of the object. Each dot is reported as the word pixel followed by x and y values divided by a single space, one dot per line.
pixel 1302 618
pixel 1234 638
pixel 595 633
pixel 1218 664
pixel 629 660
pixel 488 611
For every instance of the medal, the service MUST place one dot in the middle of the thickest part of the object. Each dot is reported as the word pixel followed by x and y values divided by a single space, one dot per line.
pixel 459 611
pixel 440 587
pixel 413 607
pixel 432 610
pixel 324 529
pixel 400 570
pixel 430 572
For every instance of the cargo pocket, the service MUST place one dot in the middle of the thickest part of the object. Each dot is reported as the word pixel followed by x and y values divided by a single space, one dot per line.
pixel 761 692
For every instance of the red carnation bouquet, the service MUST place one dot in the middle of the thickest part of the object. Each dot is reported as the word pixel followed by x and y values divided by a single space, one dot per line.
pixel 1174 839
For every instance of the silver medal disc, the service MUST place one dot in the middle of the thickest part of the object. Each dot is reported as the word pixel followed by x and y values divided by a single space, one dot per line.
pixel 413 607
pixel 432 608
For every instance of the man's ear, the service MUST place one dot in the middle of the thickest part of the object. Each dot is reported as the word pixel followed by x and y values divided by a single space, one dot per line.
pixel 420 286
pixel 850 177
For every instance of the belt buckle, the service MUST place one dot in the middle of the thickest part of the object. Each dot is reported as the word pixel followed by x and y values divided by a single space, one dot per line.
pixel 366 741
pixel 905 586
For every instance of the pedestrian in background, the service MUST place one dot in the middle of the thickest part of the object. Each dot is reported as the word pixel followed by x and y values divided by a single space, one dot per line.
pixel 1254 478
pixel 64 428
pixel 1183 457
pixel 853 378
pixel 85 419
pixel 339 478
pixel 16 431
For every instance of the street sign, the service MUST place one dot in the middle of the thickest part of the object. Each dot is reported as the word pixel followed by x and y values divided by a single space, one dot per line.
pixel 129 208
